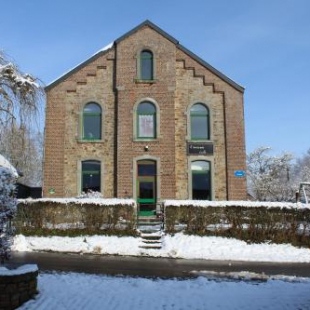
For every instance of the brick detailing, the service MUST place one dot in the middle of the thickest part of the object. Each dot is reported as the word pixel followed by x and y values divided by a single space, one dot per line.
pixel 64 148
pixel 112 80
pixel 228 125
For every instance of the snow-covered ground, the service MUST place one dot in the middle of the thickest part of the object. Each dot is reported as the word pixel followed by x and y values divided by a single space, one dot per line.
pixel 82 291
pixel 177 246
pixel 63 291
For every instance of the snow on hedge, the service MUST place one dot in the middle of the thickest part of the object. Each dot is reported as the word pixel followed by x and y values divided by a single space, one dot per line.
pixel 175 203
pixel 83 201
pixel 7 211
pixel 249 204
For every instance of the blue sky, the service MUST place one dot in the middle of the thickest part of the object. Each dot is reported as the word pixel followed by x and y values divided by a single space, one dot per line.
pixel 263 45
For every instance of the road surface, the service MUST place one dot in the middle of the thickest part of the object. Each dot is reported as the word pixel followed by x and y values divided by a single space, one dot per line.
pixel 149 267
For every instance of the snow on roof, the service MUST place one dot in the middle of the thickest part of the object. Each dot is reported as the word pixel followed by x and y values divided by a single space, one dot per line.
pixel 105 48
pixel 110 45
pixel 6 164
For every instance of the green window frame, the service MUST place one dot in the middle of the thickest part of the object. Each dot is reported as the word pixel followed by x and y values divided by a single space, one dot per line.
pixel 91 176
pixel 199 122
pixel 92 122
pixel 146 65
pixel 146 120
pixel 201 180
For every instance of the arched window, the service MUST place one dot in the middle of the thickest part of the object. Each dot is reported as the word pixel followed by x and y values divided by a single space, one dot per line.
pixel 146 65
pixel 92 121
pixel 146 120
pixel 91 176
pixel 199 122
pixel 201 180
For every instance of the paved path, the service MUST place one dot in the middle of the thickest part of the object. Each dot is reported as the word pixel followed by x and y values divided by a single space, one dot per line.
pixel 150 267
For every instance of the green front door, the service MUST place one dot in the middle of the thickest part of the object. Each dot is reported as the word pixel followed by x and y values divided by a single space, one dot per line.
pixel 146 187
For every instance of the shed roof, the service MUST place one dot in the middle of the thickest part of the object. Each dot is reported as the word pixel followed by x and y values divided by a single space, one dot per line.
pixel 6 164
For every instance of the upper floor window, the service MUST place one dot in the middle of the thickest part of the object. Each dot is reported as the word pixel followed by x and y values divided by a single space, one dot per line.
pixel 146 65
pixel 146 120
pixel 92 121
pixel 199 122
pixel 91 176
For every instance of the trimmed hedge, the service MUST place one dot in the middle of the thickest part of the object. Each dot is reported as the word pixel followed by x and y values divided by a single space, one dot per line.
pixel 248 221
pixel 251 224
pixel 44 217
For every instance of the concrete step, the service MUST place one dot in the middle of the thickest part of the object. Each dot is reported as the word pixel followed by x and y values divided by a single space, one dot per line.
pixel 149 229
pixel 149 225
pixel 151 240
pixel 152 235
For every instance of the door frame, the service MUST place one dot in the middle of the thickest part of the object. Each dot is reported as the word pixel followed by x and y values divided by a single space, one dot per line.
pixel 135 177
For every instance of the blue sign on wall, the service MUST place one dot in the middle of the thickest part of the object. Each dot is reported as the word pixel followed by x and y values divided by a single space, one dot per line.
pixel 239 173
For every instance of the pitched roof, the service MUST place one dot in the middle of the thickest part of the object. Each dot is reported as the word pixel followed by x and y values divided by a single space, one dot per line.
pixel 165 35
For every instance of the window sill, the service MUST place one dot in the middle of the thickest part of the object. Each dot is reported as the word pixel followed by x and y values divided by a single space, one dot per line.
pixel 199 140
pixel 145 139
pixel 139 81
pixel 89 141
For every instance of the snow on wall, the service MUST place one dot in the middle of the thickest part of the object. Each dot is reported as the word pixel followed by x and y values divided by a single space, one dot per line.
pixel 28 268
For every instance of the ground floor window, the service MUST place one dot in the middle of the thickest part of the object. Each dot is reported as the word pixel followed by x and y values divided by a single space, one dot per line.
pixel 91 176
pixel 201 180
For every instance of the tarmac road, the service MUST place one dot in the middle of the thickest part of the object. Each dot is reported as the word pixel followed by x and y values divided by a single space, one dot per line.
pixel 149 267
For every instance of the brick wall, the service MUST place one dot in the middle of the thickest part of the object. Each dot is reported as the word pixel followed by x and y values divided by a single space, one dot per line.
pixel 111 80
pixel 17 288
pixel 131 93
pixel 64 148
pixel 228 128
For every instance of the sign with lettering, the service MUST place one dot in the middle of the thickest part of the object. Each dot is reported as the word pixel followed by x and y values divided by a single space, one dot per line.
pixel 239 173
pixel 51 190
pixel 196 148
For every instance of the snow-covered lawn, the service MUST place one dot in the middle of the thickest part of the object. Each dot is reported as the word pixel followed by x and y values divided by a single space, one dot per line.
pixel 63 291
pixel 80 291
pixel 177 246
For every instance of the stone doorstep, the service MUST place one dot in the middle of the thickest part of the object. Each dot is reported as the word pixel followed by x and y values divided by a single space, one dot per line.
pixel 151 228
pixel 151 246
pixel 149 220
pixel 152 225
pixel 151 240
pixel 152 235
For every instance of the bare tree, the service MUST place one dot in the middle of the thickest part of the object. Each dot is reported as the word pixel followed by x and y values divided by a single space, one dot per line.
pixel 19 93
pixel 25 151
pixel 302 175
pixel 302 168
pixel 269 177
pixel 21 98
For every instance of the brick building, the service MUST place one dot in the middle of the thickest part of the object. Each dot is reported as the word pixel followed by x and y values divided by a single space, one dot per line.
pixel 145 118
